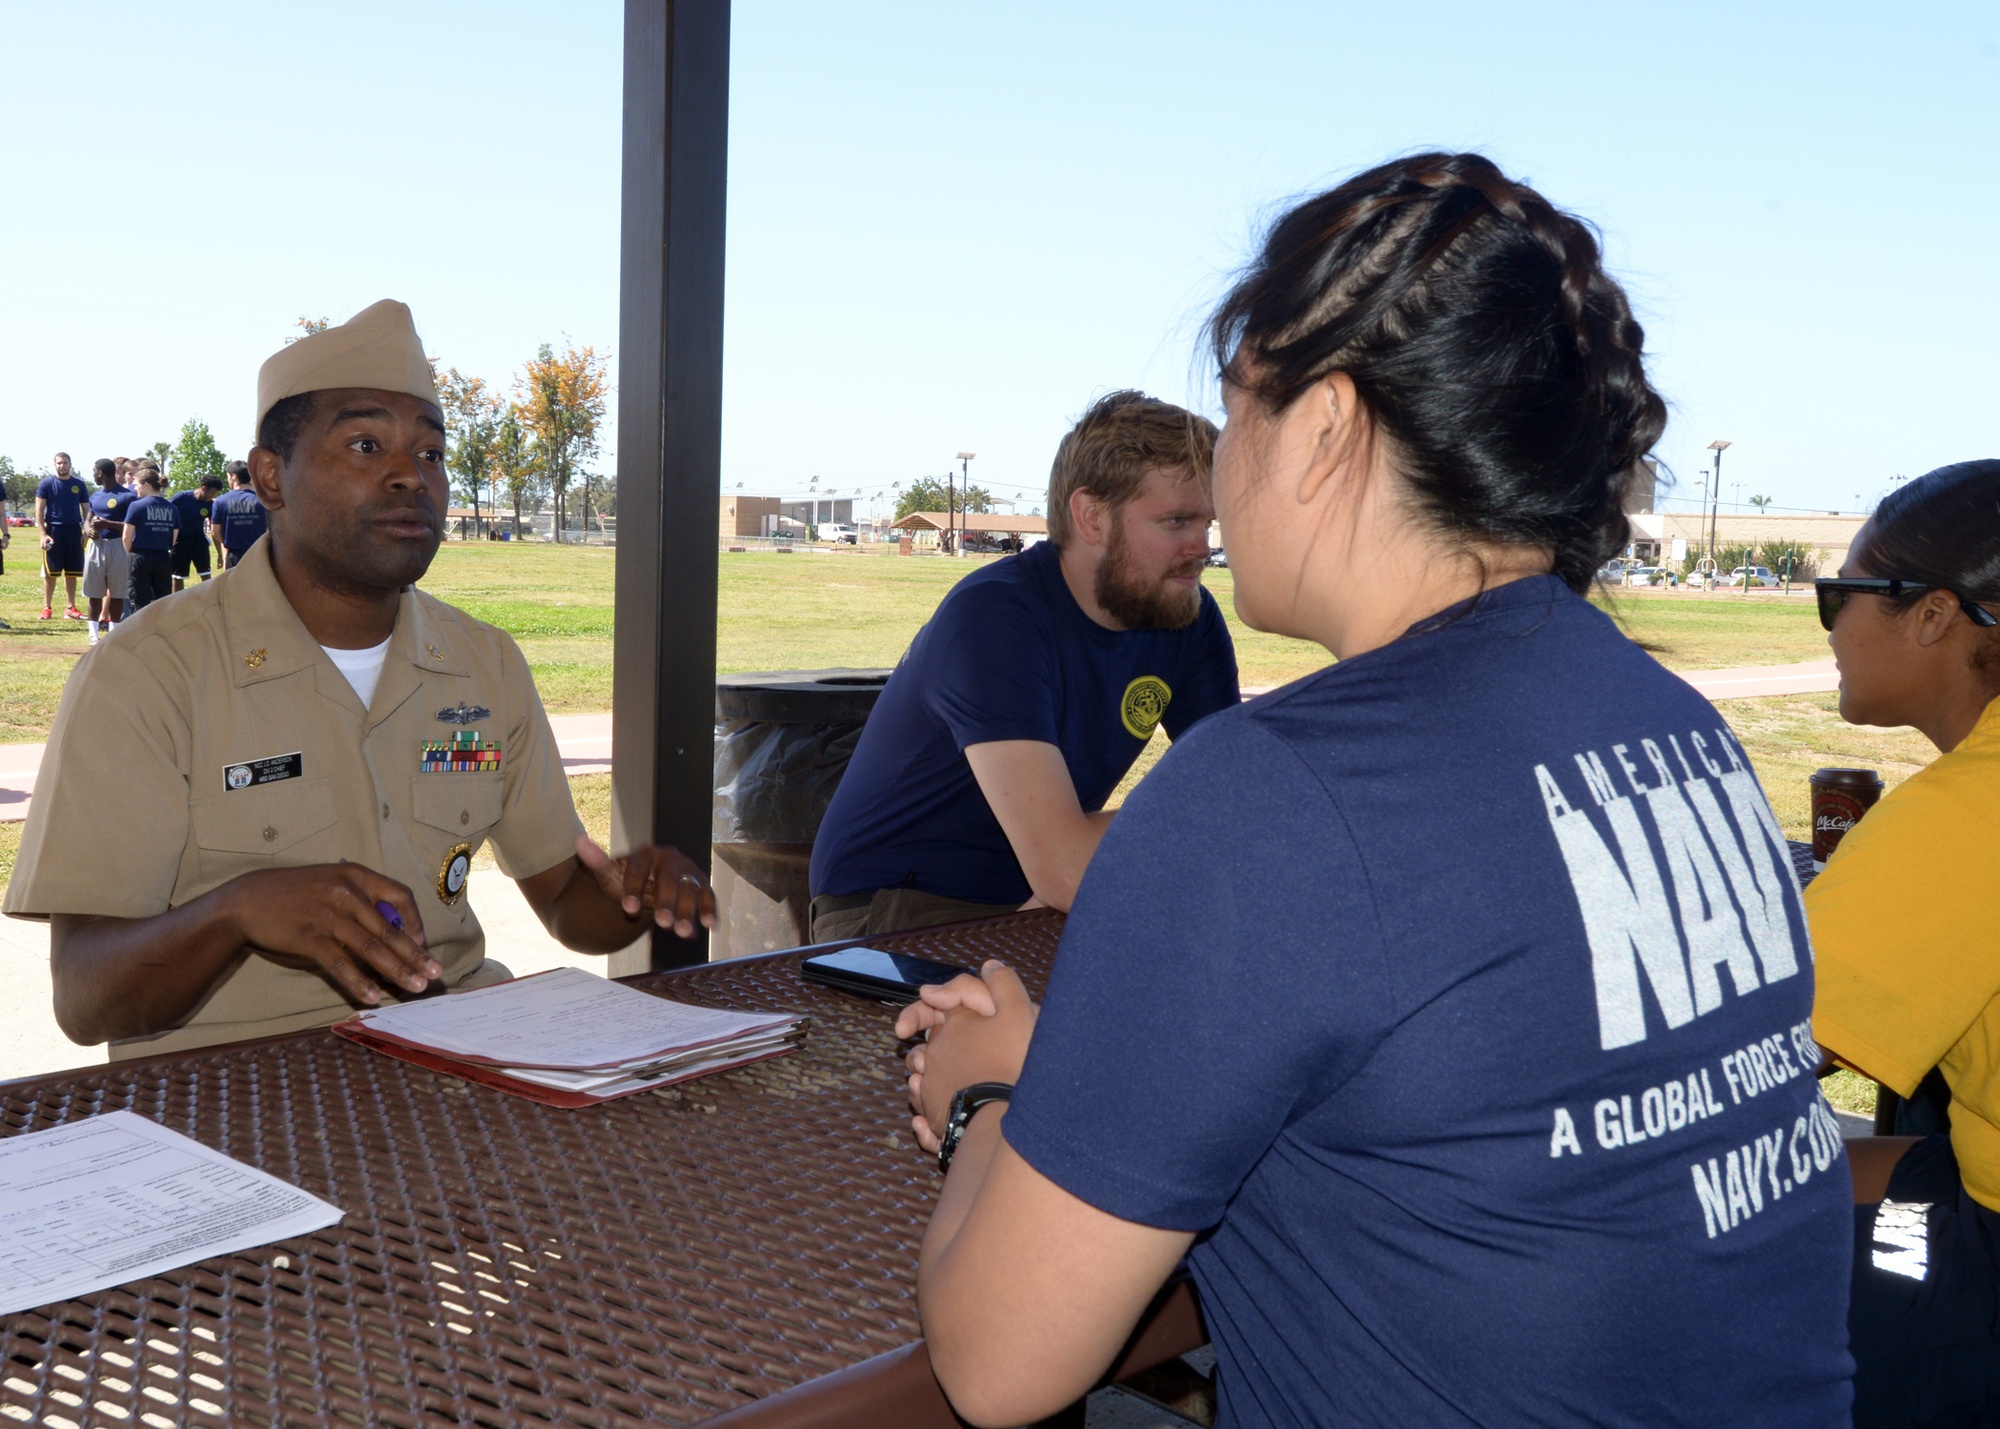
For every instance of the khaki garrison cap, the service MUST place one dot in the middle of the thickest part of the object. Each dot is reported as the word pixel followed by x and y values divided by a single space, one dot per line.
pixel 378 347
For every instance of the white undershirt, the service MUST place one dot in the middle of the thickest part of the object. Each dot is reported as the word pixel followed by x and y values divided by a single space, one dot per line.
pixel 363 668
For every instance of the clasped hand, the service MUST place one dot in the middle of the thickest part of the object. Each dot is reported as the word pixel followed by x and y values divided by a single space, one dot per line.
pixel 654 877
pixel 975 1029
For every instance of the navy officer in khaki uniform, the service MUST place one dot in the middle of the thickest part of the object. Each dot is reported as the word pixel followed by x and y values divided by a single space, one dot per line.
pixel 310 752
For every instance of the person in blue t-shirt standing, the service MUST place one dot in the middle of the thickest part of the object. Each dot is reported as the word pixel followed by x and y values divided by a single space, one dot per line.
pixel 59 517
pixel 1447 1011
pixel 106 566
pixel 980 778
pixel 237 516
pixel 151 526
pixel 191 545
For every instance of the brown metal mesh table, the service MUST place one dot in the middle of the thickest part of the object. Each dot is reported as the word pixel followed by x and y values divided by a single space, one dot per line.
pixel 661 1259
pixel 655 1260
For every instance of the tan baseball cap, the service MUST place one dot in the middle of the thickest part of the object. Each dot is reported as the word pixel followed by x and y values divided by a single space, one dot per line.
pixel 378 347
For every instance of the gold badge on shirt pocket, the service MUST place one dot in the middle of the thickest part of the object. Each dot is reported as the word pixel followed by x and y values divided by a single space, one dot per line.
pixel 453 872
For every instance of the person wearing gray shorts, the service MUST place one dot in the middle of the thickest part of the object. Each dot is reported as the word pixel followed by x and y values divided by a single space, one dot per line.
pixel 106 566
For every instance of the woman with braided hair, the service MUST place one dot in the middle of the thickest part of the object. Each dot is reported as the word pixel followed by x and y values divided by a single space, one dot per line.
pixel 1448 1010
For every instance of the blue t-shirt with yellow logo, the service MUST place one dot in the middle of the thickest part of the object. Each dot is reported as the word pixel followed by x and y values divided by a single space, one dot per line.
pixel 109 504
pixel 64 495
pixel 1008 655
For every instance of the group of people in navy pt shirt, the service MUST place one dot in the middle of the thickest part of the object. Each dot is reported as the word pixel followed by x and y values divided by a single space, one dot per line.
pixel 1446 1014
pixel 128 541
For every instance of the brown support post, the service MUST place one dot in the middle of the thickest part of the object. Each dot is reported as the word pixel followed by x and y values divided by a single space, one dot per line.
pixel 669 435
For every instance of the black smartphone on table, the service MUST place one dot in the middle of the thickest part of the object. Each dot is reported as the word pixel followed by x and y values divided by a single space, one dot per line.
pixel 893 978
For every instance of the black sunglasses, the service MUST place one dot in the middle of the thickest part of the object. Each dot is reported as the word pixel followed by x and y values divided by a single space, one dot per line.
pixel 1833 594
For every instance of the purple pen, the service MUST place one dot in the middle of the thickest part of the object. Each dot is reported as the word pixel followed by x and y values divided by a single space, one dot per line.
pixel 388 911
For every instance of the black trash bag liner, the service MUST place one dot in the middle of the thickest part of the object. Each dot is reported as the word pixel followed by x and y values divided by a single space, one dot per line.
pixel 774 781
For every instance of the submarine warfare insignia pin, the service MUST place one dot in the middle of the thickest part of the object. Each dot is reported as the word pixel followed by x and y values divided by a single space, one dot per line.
pixel 451 876
pixel 465 713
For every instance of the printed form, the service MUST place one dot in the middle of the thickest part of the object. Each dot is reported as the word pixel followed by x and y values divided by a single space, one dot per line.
pixel 116 1198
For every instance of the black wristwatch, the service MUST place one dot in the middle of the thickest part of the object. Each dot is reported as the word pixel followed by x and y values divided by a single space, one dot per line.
pixel 969 1100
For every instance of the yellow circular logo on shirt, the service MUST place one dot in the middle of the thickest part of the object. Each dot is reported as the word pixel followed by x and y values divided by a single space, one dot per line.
pixel 1146 700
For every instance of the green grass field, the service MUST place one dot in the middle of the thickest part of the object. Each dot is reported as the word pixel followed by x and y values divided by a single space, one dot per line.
pixel 855 606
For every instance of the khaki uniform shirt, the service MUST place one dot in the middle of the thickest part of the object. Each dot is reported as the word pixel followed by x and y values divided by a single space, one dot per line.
pixel 152 791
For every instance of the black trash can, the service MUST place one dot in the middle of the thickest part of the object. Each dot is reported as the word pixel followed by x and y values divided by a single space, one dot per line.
pixel 782 742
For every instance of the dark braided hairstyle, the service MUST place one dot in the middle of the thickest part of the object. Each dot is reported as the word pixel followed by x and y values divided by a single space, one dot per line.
pixel 1482 333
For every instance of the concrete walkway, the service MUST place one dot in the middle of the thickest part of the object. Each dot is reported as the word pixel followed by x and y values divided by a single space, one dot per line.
pixel 1810 678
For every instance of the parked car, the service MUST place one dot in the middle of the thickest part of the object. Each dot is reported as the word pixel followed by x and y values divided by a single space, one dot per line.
pixel 1218 557
pixel 1757 575
pixel 1650 576
pixel 20 520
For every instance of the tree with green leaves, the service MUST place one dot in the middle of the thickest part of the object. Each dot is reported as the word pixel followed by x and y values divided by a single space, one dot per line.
pixel 161 453
pixel 1760 502
pixel 514 463
pixel 19 484
pixel 562 404
pixel 472 416
pixel 193 457
pixel 1793 558
pixel 928 493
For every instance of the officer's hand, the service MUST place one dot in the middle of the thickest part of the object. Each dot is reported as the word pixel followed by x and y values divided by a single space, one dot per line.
pixel 323 916
pixel 662 879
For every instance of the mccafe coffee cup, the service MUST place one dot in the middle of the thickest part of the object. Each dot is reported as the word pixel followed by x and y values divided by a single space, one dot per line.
pixel 1839 798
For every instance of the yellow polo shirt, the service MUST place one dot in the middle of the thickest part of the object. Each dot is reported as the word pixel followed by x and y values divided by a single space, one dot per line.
pixel 1906 932
pixel 210 736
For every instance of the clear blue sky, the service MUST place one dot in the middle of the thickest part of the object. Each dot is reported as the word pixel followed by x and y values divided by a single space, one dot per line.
pixel 951 227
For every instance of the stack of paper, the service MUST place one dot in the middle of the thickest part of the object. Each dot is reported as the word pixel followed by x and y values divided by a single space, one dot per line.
pixel 570 1038
pixel 116 1198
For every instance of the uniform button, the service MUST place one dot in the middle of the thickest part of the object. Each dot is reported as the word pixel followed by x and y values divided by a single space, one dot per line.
pixel 464 817
pixel 270 834
pixel 385 811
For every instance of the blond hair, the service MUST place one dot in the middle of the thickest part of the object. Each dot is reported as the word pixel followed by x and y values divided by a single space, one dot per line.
pixel 1121 438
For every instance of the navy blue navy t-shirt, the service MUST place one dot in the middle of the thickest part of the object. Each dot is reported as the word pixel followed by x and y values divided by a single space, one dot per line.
pixel 65 498
pixel 1008 655
pixel 192 509
pixel 110 504
pixel 154 522
pixel 1458 997
pixel 239 515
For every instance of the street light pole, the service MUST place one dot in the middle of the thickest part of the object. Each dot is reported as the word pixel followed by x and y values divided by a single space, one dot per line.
pixel 1715 503
pixel 965 474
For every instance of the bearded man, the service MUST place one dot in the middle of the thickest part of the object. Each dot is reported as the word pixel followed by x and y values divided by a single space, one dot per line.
pixel 979 782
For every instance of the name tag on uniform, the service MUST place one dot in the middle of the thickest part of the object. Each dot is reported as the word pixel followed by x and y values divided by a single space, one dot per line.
pixel 252 772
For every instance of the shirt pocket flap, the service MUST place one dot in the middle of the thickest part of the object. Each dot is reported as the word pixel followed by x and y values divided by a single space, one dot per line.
pixel 265 820
pixel 461 804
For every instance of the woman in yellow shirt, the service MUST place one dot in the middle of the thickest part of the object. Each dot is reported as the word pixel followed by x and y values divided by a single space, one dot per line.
pixel 1906 931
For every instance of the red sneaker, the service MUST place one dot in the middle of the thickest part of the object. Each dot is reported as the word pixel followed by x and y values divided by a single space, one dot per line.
pixel 47 614
pixel 72 614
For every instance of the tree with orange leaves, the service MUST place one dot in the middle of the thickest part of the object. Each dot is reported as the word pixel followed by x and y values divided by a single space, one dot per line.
pixel 562 402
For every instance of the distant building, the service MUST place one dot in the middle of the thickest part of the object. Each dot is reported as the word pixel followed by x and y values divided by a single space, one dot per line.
pixel 839 511
pixel 749 516
pixel 925 527
pixel 1654 533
